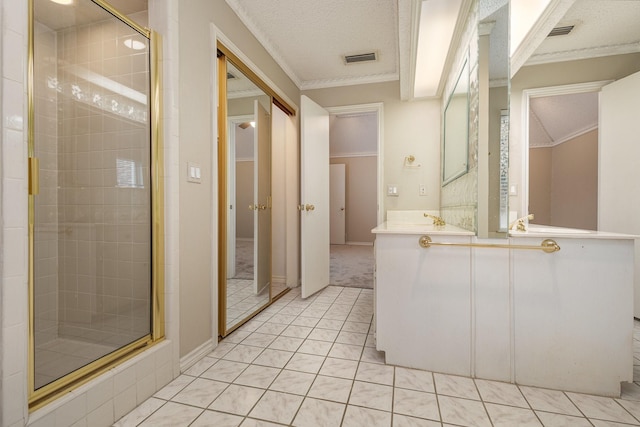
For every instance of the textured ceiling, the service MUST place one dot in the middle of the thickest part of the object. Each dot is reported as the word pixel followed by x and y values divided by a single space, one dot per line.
pixel 555 119
pixel 309 38
pixel 603 27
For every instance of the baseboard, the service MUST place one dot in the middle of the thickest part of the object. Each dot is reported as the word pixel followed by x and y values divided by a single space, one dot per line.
pixel 359 243
pixel 196 354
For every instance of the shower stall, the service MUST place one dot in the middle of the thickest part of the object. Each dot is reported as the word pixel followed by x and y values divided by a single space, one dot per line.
pixel 95 205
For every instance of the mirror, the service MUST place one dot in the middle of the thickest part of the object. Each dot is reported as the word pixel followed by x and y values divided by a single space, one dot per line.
pixel 246 218
pixel 455 146
pixel 493 57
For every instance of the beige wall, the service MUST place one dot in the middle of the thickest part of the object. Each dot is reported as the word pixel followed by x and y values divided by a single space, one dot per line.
pixel 244 198
pixel 574 200
pixel 563 183
pixel 549 75
pixel 540 184
pixel 198 238
pixel 410 128
pixel 360 197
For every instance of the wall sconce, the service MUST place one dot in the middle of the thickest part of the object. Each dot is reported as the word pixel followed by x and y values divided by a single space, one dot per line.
pixel 409 162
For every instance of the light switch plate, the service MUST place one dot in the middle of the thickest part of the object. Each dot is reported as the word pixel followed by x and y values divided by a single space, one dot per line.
pixel 194 173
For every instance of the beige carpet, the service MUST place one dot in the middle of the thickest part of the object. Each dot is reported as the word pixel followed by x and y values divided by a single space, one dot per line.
pixel 352 266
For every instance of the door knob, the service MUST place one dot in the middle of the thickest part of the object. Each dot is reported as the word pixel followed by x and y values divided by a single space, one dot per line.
pixel 261 207
pixel 309 207
pixel 341 209
pixel 300 208
pixel 253 207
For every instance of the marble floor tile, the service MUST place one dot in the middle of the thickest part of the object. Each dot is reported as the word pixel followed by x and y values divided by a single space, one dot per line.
pixel 286 343
pixel 237 399
pixel 283 319
pixel 603 423
pixel 257 376
pixel 509 416
pixel 331 388
pixel 218 419
pixel 277 407
pixel 601 408
pixel 172 414
pixel 243 353
pixel 334 325
pixel 414 379
pixel 319 413
pixel 200 366
pixel 297 331
pixel 360 327
pixel 463 412
pixel 175 386
pixel 273 358
pixel 258 339
pixel 633 406
pixel 558 420
pixel 549 401
pixel 630 391
pixel 237 336
pixel 356 416
pixel 270 328
pixel 346 351
pixel 319 348
pixel 201 392
pixel 252 422
pixel 416 404
pixel 501 393
pixel 305 321
pixel 452 385
pixel 340 368
pixel 355 338
pixel 374 396
pixel 329 335
pixel 222 349
pixel 224 370
pixel 141 412
pixel 371 355
pixel 405 421
pixel 375 373
pixel 305 363
pixel 293 382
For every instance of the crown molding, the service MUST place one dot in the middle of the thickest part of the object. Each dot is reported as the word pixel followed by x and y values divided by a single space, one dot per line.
pixel 554 12
pixel 349 81
pixel 264 40
pixel 576 54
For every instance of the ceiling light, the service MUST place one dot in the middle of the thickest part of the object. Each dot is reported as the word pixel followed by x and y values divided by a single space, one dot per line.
pixel 64 2
pixel 437 25
pixel 134 44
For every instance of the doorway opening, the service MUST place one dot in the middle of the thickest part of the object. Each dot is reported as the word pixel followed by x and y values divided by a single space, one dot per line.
pixel 354 140
pixel 561 155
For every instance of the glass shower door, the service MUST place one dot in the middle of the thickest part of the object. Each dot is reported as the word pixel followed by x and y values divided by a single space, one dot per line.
pixel 91 219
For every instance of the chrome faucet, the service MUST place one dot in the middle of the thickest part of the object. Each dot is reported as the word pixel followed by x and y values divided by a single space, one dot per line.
pixel 519 223
pixel 437 221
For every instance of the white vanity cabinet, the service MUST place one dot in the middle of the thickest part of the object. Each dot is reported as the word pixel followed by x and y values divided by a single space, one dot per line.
pixel 423 300
pixel 573 315
pixel 560 320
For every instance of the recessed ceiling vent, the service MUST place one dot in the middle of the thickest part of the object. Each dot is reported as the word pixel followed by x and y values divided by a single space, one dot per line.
pixel 361 57
pixel 561 31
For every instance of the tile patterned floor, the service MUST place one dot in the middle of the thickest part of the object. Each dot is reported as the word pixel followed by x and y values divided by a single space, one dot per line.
pixel 313 363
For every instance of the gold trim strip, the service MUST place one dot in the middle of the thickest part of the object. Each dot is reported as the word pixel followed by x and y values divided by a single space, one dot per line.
pixel 34 176
pixel 31 208
pixel 222 195
pixel 75 379
pixel 281 103
pixel 157 192
pixel 133 24
pixel 547 245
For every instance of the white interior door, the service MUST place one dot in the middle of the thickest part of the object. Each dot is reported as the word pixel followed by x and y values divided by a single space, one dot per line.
pixel 337 215
pixel 262 188
pixel 619 163
pixel 314 197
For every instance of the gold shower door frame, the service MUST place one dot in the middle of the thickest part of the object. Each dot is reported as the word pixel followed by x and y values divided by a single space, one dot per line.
pixel 47 393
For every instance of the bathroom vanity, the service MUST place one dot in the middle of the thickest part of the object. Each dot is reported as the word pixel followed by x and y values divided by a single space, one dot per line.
pixel 561 320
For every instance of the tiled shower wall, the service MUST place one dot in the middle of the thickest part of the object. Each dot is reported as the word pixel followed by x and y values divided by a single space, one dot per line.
pixel 46 203
pixel 103 198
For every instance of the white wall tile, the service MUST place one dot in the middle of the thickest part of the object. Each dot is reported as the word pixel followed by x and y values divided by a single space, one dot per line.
pixel 14 289
pixel 72 411
pixel 102 416
pixel 100 392
pixel 13 361
pixel 13 56
pixel 13 105
pixel 15 253
pixel 124 402
pixel 14 153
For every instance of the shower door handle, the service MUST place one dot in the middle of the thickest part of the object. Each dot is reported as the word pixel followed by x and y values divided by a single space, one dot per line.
pixel 34 176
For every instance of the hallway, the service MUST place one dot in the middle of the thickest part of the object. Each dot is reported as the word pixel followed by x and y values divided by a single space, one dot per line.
pixel 313 363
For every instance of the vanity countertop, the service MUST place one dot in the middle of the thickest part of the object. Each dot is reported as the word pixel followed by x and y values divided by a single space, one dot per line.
pixel 534 230
pixel 391 227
